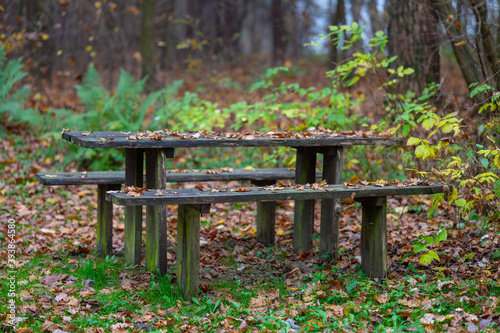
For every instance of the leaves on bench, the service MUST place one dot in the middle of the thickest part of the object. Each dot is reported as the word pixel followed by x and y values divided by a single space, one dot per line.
pixel 134 191
pixel 382 183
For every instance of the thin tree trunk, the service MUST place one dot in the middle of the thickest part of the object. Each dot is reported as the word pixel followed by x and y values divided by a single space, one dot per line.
pixel 374 16
pixel 481 12
pixel 168 49
pixel 278 33
pixel 336 18
pixel 147 43
pixel 464 53
pixel 498 30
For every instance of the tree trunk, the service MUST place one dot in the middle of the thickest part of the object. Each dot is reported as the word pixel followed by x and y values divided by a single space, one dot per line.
pixel 356 6
pixel 498 31
pixel 278 33
pixel 412 31
pixel 466 57
pixel 356 10
pixel 148 43
pixel 229 21
pixel 168 49
pixel 375 20
pixel 337 17
pixel 481 12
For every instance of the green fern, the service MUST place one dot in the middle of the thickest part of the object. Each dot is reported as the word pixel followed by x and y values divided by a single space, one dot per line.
pixel 11 99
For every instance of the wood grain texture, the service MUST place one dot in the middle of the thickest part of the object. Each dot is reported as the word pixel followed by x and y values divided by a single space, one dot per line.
pixel 374 237
pixel 104 246
pixel 303 222
pixel 118 177
pixel 266 211
pixel 188 250
pixel 119 140
pixel 329 229
pixel 134 164
pixel 195 196
pixel 156 216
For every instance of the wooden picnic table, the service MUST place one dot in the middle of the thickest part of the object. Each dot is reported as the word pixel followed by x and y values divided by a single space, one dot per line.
pixel 160 145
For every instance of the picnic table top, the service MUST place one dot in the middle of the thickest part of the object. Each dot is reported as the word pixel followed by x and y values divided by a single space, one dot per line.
pixel 166 139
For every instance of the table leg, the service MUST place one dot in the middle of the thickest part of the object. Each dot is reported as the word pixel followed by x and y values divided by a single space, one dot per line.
pixel 188 249
pixel 133 214
pixel 105 220
pixel 305 172
pixel 374 237
pixel 156 216
pixel 266 217
pixel 330 209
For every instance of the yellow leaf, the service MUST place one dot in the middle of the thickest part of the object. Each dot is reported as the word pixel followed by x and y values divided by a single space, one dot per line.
pixel 97 4
pixel 89 48
pixel 280 232
pixel 59 52
pixel 287 64
pixel 249 167
pixel 44 36
pixel 460 43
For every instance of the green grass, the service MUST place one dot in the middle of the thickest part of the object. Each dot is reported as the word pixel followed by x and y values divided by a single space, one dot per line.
pixel 311 303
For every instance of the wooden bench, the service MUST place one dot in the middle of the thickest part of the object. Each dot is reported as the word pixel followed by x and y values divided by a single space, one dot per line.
pixel 192 202
pixel 112 180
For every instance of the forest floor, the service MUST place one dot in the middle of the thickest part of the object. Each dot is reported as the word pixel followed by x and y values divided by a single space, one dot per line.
pixel 63 287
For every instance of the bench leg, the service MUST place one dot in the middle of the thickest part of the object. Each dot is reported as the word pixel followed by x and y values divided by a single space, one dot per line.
pixel 266 211
pixel 305 172
pixel 133 214
pixel 156 216
pixel 188 249
pixel 374 237
pixel 330 209
pixel 105 220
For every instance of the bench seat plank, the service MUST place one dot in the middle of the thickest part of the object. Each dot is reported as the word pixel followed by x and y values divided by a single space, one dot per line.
pixel 248 194
pixel 118 177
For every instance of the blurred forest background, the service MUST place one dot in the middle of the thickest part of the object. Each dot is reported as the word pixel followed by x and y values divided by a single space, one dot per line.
pixel 60 38
pixel 423 69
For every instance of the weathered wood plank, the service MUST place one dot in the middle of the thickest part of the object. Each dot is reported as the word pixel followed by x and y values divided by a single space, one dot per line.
pixel 249 194
pixel 329 229
pixel 119 140
pixel 104 246
pixel 134 164
pixel 266 211
pixel 303 223
pixel 374 237
pixel 188 249
pixel 156 216
pixel 118 177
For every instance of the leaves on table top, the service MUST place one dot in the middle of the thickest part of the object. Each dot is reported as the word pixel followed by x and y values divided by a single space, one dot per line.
pixel 254 135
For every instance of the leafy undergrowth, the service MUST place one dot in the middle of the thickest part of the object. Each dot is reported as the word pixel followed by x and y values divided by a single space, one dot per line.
pixel 245 286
